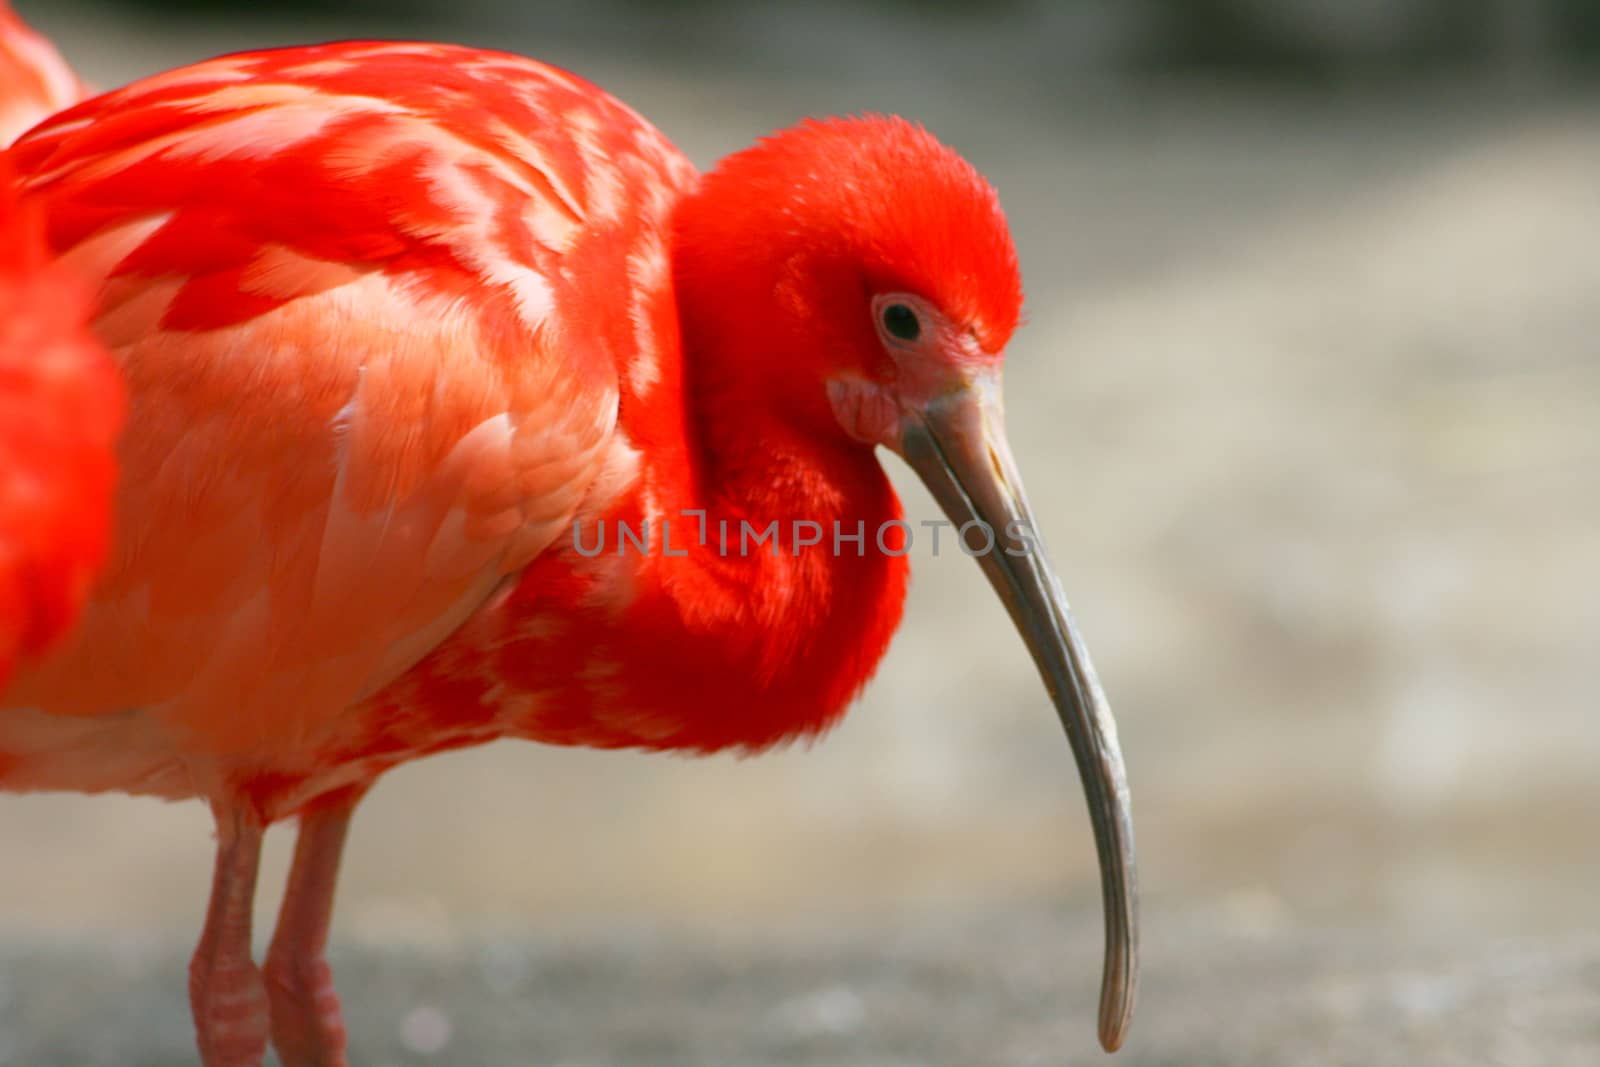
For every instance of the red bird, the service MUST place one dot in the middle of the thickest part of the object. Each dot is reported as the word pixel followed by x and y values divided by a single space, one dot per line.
pixel 462 407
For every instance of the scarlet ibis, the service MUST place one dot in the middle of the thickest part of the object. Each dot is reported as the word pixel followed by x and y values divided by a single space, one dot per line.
pixel 409 330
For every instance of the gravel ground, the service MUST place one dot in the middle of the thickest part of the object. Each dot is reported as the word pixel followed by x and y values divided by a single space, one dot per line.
pixel 961 991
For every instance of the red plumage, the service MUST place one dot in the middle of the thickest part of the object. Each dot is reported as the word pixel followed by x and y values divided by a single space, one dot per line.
pixel 60 410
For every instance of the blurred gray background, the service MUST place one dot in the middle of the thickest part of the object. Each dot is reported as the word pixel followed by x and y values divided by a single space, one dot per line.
pixel 1307 404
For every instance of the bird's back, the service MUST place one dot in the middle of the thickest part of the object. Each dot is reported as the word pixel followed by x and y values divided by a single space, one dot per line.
pixel 368 300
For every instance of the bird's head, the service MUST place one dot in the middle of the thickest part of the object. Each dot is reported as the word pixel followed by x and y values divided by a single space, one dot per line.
pixel 857 263
pixel 856 279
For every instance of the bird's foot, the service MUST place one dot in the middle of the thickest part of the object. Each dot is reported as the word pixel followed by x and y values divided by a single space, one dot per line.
pixel 230 1011
pixel 307 1027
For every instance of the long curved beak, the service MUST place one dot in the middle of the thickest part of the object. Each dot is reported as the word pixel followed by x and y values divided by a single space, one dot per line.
pixel 957 445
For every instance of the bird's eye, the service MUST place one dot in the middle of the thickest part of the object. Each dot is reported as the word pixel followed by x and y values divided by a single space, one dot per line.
pixel 901 322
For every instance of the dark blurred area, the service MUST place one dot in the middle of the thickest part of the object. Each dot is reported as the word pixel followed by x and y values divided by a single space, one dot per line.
pixel 1297 39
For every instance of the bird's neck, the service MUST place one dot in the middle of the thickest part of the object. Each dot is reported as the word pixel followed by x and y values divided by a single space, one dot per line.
pixel 784 607
pixel 765 470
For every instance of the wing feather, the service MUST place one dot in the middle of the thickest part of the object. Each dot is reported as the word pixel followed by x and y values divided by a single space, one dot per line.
pixel 360 396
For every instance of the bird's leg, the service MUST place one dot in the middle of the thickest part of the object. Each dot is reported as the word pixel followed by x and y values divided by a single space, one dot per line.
pixel 225 992
pixel 307 1029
